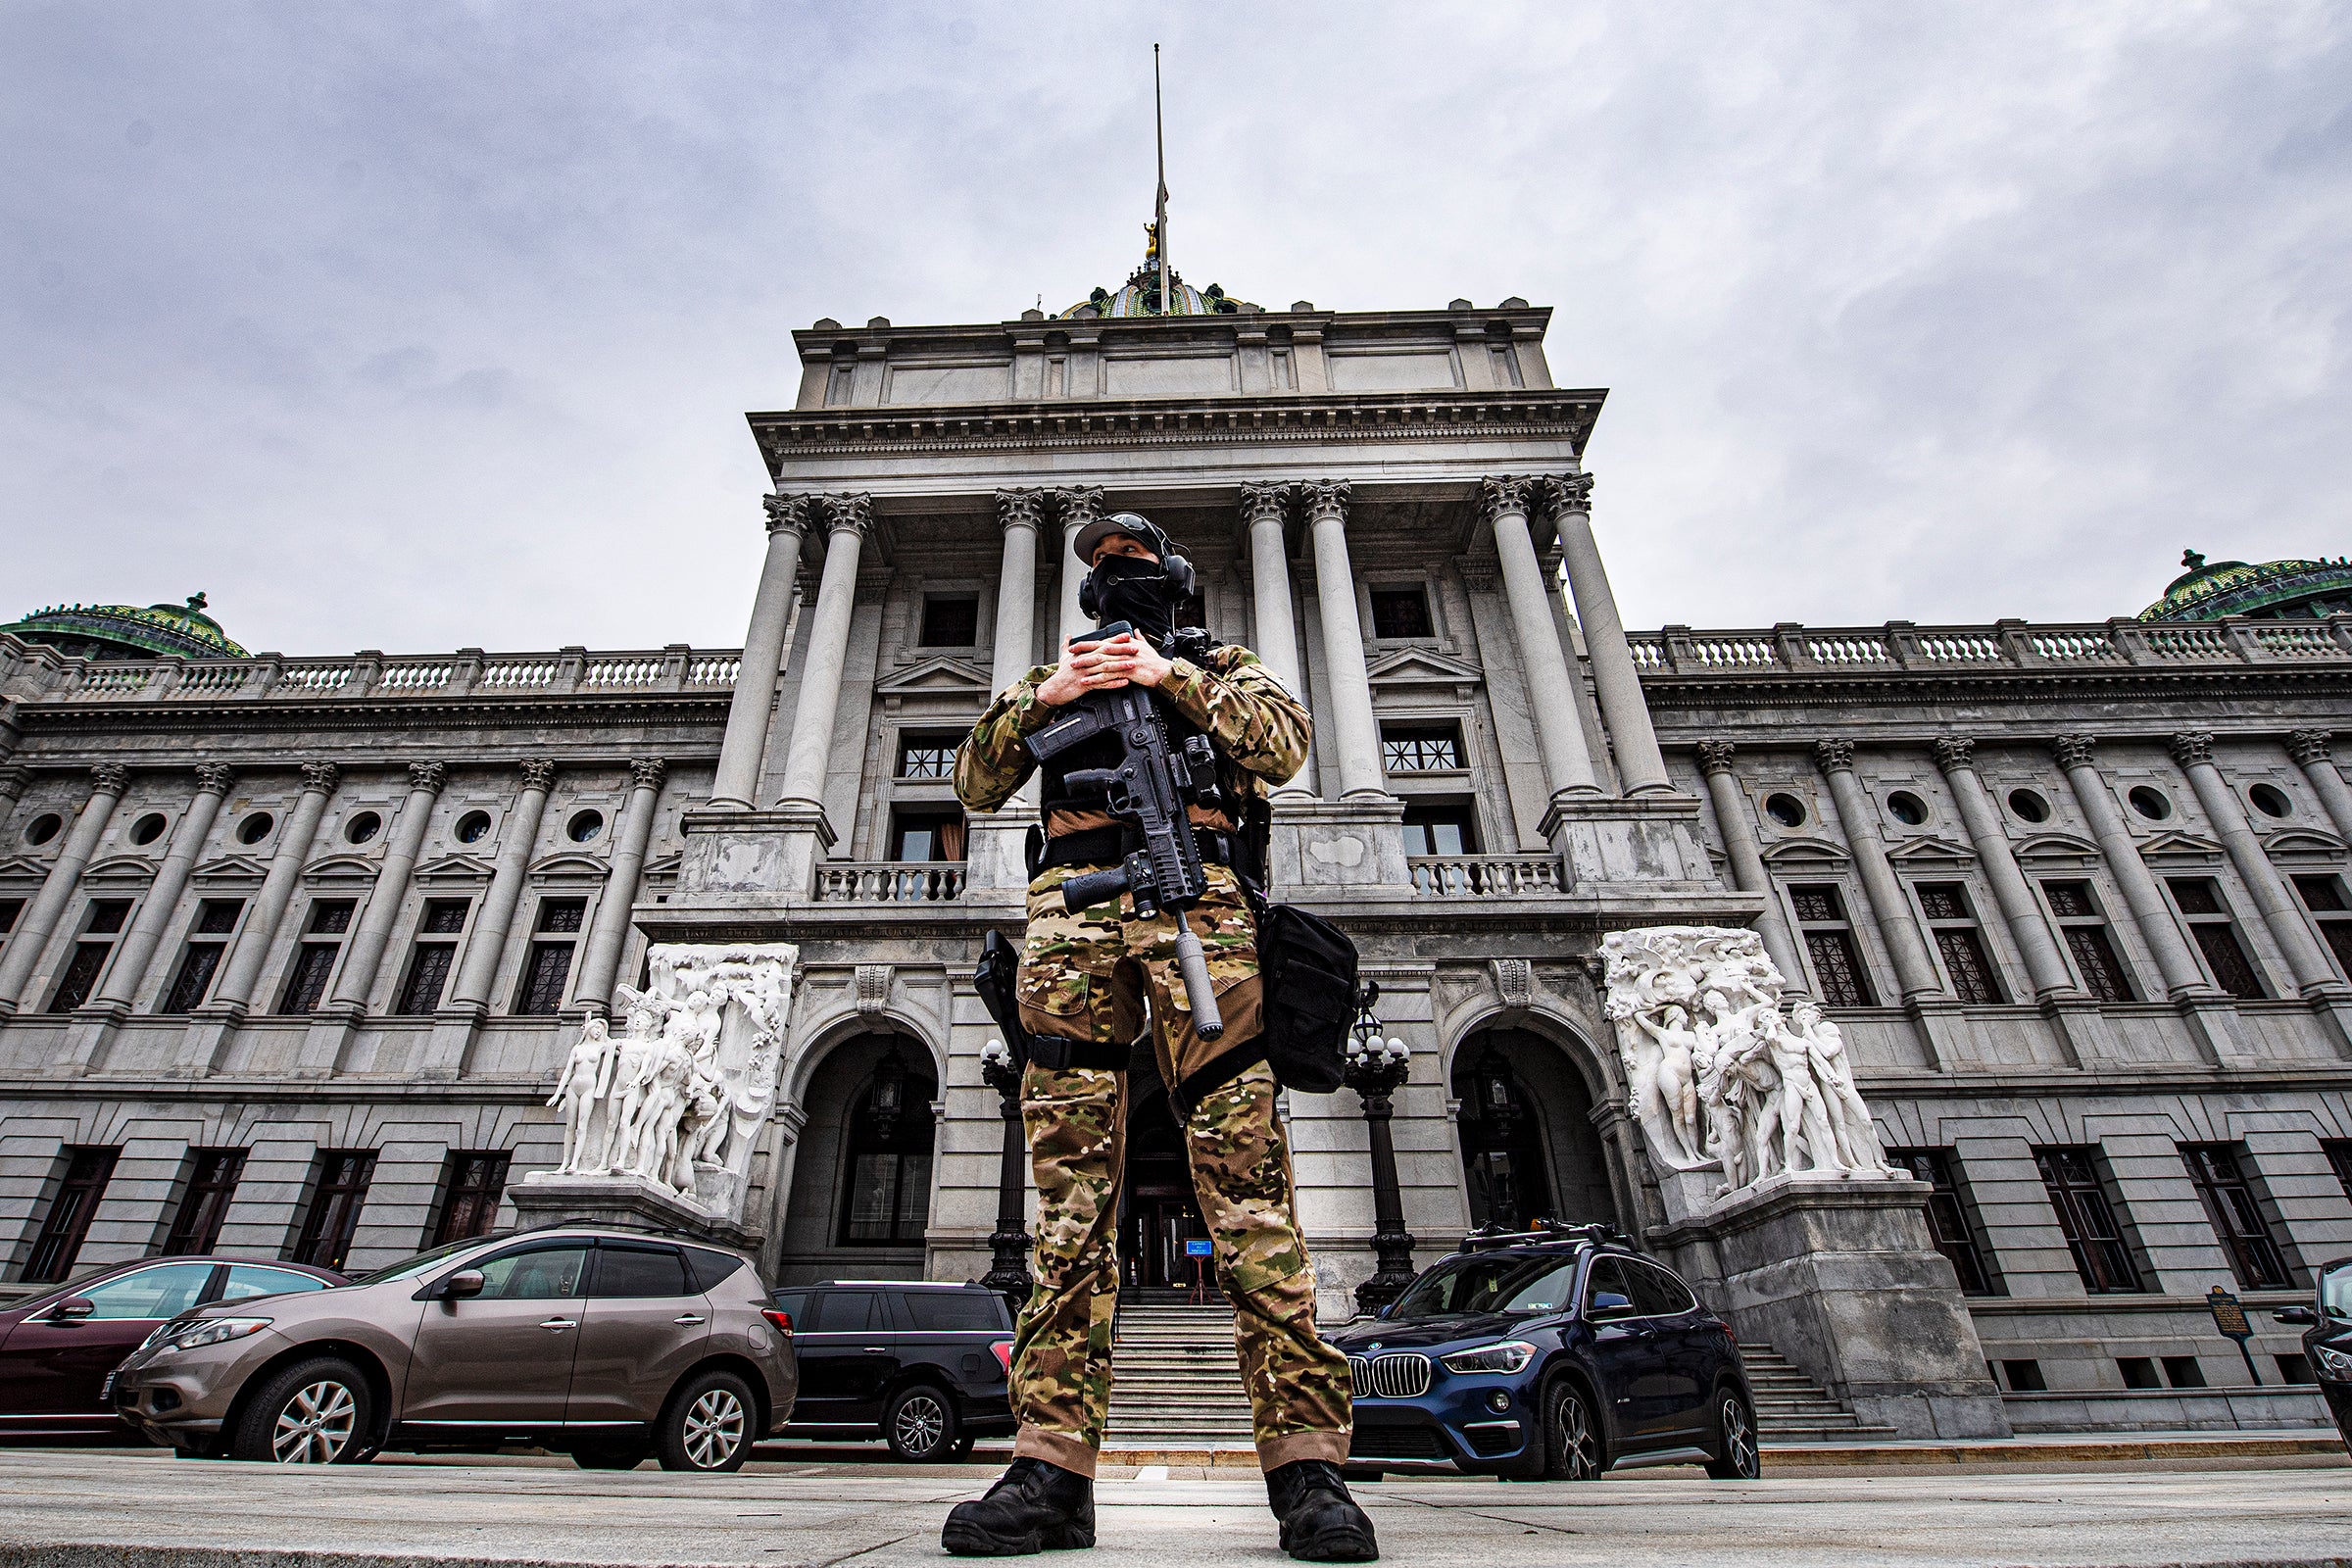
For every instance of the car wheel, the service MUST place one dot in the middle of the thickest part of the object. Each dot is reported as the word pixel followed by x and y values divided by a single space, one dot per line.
pixel 921 1423
pixel 314 1412
pixel 707 1425
pixel 1735 1454
pixel 1571 1435
pixel 612 1455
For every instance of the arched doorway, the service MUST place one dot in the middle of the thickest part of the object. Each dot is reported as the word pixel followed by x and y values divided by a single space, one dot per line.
pixel 1530 1150
pixel 861 1177
pixel 1157 1211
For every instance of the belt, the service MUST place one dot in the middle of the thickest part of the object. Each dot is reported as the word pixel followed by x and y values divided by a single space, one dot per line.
pixel 1108 846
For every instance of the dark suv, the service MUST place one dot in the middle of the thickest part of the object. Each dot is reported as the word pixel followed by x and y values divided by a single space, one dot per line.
pixel 1553 1355
pixel 2327 1326
pixel 922 1366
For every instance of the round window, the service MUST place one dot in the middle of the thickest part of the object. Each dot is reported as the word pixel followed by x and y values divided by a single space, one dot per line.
pixel 2028 806
pixel 2149 802
pixel 1906 807
pixel 44 827
pixel 256 827
pixel 1786 809
pixel 2270 801
pixel 471 826
pixel 362 827
pixel 147 830
pixel 585 825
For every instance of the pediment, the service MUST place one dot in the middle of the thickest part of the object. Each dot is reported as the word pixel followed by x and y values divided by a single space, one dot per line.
pixel 340 869
pixel 1422 666
pixel 2056 847
pixel 126 867
pixel 2174 845
pixel 231 869
pixel 2305 844
pixel 938 676
pixel 457 868
pixel 1928 849
pixel 23 866
pixel 571 862
pixel 665 868
pixel 1806 852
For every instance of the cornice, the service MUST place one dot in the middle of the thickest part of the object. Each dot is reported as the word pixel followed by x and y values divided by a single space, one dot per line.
pixel 1884 687
pixel 637 709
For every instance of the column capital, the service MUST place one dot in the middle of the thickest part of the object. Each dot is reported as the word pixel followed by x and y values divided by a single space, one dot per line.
pixel 850 513
pixel 1505 493
pixel 2073 751
pixel 109 778
pixel 1835 756
pixel 428 776
pixel 1264 503
pixel 647 772
pixel 215 779
pixel 320 778
pixel 2191 747
pixel 2309 746
pixel 1715 757
pixel 538 774
pixel 1568 492
pixel 12 782
pixel 1954 753
pixel 1325 500
pixel 1079 504
pixel 786 513
pixel 1020 509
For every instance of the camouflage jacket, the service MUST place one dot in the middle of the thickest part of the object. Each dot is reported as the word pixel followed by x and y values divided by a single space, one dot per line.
pixel 1255 723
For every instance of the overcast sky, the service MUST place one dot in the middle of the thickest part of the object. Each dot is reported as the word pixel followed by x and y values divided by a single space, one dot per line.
pixel 412 326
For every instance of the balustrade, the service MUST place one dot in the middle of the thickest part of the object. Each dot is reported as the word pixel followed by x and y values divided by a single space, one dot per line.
pixel 890 881
pixel 1898 646
pixel 1478 876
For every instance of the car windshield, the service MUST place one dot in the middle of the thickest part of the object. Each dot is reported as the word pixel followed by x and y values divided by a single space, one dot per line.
pixel 1495 1283
pixel 422 1262
pixel 2335 1291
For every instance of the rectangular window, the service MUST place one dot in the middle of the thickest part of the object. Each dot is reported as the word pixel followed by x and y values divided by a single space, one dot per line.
pixel 2183 1372
pixel 548 963
pixel 314 956
pixel 2201 900
pixel 950 620
pixel 1440 827
pixel 2024 1377
pixel 923 756
pixel 1951 1221
pixel 212 1182
pixel 930 835
pixel 2139 1371
pixel 2324 897
pixel 216 920
pixel 2339 1155
pixel 430 961
pixel 2085 931
pixel 472 1183
pixel 10 909
pixel 1837 962
pixel 100 927
pixel 888 1200
pixel 1421 748
pixel 1402 613
pixel 1966 964
pixel 87 1171
pixel 2232 1205
pixel 339 1192
pixel 2070 1175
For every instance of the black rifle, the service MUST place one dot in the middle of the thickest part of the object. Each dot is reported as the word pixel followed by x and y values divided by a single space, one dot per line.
pixel 1147 792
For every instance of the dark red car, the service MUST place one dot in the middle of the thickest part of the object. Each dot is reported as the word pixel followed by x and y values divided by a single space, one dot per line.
pixel 57 1350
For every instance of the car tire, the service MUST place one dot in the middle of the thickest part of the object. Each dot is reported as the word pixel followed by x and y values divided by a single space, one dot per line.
pixel 1737 1455
pixel 706 1426
pixel 1571 1443
pixel 919 1424
pixel 318 1412
pixel 612 1455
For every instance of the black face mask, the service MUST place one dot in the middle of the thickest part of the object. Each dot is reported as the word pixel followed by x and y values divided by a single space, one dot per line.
pixel 1132 589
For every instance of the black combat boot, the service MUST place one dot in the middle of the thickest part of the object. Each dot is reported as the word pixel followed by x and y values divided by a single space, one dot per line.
pixel 1320 1522
pixel 1035 1507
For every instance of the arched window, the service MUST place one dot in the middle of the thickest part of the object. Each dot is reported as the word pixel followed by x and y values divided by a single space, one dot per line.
pixel 886 1201
pixel 1502 1142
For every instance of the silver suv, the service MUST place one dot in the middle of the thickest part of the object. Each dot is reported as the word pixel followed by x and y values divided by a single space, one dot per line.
pixel 612 1346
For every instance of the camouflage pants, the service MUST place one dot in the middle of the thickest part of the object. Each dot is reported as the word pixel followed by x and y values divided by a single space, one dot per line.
pixel 1299 1387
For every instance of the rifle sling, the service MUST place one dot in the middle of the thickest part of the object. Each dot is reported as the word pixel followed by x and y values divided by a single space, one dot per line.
pixel 1108 846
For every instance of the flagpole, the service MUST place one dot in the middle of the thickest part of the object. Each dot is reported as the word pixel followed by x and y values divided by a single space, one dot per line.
pixel 1161 201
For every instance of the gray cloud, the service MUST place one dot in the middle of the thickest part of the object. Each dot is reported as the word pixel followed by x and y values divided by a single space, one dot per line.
pixel 427 326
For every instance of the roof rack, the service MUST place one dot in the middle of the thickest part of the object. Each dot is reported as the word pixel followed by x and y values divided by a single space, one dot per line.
pixel 1488 1238
pixel 585 1222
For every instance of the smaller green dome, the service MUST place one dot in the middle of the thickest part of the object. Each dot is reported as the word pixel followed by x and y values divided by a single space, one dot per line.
pixel 2270 590
pixel 127 632
pixel 1140 294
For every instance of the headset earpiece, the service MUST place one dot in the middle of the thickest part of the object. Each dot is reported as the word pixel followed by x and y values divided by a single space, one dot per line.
pixel 1180 573
pixel 1085 596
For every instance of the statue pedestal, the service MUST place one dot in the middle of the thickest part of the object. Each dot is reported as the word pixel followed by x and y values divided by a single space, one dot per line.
pixel 545 1197
pixel 1839 1276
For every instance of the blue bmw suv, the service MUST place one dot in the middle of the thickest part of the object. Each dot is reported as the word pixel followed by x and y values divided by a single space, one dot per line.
pixel 1547 1355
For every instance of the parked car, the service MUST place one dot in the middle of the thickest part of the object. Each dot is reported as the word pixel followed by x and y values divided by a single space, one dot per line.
pixel 1553 1353
pixel 2327 1326
pixel 56 1350
pixel 924 1367
pixel 611 1344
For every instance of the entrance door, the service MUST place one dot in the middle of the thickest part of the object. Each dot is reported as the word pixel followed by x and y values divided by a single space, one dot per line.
pixel 1157 1211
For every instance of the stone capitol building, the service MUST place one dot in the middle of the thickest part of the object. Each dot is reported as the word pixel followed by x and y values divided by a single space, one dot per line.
pixel 292 947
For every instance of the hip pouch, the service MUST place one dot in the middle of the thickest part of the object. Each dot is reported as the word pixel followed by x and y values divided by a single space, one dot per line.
pixel 1308 970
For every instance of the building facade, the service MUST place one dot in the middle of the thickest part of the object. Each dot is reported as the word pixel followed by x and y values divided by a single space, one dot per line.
pixel 292 949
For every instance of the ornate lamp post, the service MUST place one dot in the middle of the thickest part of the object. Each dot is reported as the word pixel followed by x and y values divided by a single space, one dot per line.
pixel 1375 1068
pixel 1008 1248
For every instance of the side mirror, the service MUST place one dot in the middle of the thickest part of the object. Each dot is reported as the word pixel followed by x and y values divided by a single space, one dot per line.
pixel 1609 1308
pixel 73 1309
pixel 464 1283
pixel 2301 1317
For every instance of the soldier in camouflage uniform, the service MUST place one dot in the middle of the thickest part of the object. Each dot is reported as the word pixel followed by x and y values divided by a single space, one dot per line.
pixel 1090 984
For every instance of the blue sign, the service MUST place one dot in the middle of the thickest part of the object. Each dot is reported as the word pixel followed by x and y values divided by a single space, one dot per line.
pixel 1198 1248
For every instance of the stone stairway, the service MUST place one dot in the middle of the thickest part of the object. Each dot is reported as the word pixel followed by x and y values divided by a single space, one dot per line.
pixel 1790 1407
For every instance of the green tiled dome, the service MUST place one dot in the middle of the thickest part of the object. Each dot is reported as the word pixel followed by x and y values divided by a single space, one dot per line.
pixel 127 632
pixel 1140 294
pixel 2272 590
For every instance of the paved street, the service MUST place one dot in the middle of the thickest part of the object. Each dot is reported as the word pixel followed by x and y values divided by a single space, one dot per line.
pixel 98 1509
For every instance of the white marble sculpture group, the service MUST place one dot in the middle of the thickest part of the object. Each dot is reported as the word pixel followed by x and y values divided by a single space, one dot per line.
pixel 1718 1075
pixel 678 1097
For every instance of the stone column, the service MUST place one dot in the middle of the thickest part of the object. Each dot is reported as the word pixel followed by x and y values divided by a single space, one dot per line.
pixel 1354 751
pixel 2045 966
pixel 2182 977
pixel 366 955
pixel 2309 749
pixel 746 744
pixel 1641 770
pixel 496 917
pixel 130 968
pixel 1914 971
pixel 2314 974
pixel 1748 873
pixel 1019 513
pixel 233 992
pixel 600 964
pixel 1551 682
pixel 108 780
pixel 1276 645
pixel 847 519
pixel 1079 506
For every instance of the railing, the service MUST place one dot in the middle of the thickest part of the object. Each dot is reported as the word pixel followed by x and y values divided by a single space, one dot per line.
pixel 1483 876
pixel 1901 645
pixel 890 882
pixel 36 673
